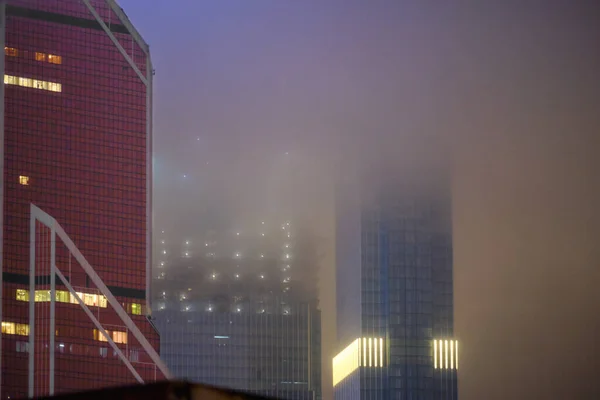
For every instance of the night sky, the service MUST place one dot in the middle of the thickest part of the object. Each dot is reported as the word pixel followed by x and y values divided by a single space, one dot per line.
pixel 255 99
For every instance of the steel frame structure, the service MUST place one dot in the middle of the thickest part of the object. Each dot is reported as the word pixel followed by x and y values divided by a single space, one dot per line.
pixel 38 215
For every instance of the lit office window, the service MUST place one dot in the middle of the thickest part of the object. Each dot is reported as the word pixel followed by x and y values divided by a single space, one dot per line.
pixel 136 309
pixel 22 295
pixel 32 83
pixel 119 337
pixel 54 59
pixel 23 180
pixel 11 51
pixel 12 328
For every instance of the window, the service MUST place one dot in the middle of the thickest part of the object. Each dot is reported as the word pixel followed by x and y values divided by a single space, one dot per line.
pixel 119 337
pixel 22 295
pixel 23 180
pixel 12 328
pixel 54 59
pixel 100 336
pixel 42 296
pixel 62 296
pixel 8 328
pixel 22 329
pixel 22 347
pixel 25 82
pixel 32 83
pixel 136 309
pixel 40 56
pixel 11 51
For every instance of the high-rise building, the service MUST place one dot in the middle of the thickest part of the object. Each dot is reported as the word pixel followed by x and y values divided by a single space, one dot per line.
pixel 395 287
pixel 237 308
pixel 75 194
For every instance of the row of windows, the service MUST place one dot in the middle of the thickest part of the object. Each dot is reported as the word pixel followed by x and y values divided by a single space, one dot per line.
pixel 134 354
pixel 32 83
pixel 13 328
pixel 64 296
pixel 43 57
pixel 116 336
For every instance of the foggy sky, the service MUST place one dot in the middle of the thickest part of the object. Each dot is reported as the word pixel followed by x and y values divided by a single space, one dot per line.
pixel 511 90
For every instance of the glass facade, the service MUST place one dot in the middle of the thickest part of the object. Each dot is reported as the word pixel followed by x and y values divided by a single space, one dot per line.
pixel 395 283
pixel 75 138
pixel 233 312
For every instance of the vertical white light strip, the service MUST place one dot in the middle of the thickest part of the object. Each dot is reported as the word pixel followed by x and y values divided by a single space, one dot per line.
pixel 456 354
pixel 441 354
pixel 446 354
pixel 364 352
pixel 375 351
pixel 357 342
pixel 370 352
pixel 435 361
pixel 381 351
pixel 452 354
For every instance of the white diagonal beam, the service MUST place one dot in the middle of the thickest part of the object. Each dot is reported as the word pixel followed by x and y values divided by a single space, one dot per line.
pixel 127 24
pixel 115 41
pixel 99 326
pixel 37 212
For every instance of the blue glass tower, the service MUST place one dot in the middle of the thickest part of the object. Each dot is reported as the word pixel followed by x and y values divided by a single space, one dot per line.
pixel 395 287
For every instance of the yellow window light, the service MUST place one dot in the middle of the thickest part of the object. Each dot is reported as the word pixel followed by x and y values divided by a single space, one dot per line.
pixel 446 353
pixel 11 51
pixel 32 83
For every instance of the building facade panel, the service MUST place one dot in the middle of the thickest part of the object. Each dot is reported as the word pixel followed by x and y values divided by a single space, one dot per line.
pixel 75 144
pixel 233 312
pixel 405 269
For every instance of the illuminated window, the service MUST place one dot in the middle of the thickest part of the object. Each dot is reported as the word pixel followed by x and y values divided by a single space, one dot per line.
pixel 8 328
pixel 12 328
pixel 116 336
pixel 25 82
pixel 119 337
pixel 62 296
pixel 40 56
pixel 22 295
pixel 11 51
pixel 24 180
pixel 100 336
pixel 136 309
pixel 54 59
pixel 32 83
pixel 22 329
pixel 42 296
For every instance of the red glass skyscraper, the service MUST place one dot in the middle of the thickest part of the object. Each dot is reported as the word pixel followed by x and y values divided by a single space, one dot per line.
pixel 75 140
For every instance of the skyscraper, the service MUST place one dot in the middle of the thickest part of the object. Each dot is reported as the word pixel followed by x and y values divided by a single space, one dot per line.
pixel 237 308
pixel 75 189
pixel 394 286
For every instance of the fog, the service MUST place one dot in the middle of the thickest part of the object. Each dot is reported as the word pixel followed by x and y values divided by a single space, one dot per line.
pixel 257 104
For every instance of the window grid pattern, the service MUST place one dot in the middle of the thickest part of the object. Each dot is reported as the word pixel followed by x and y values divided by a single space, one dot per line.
pixel 406 293
pixel 82 150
